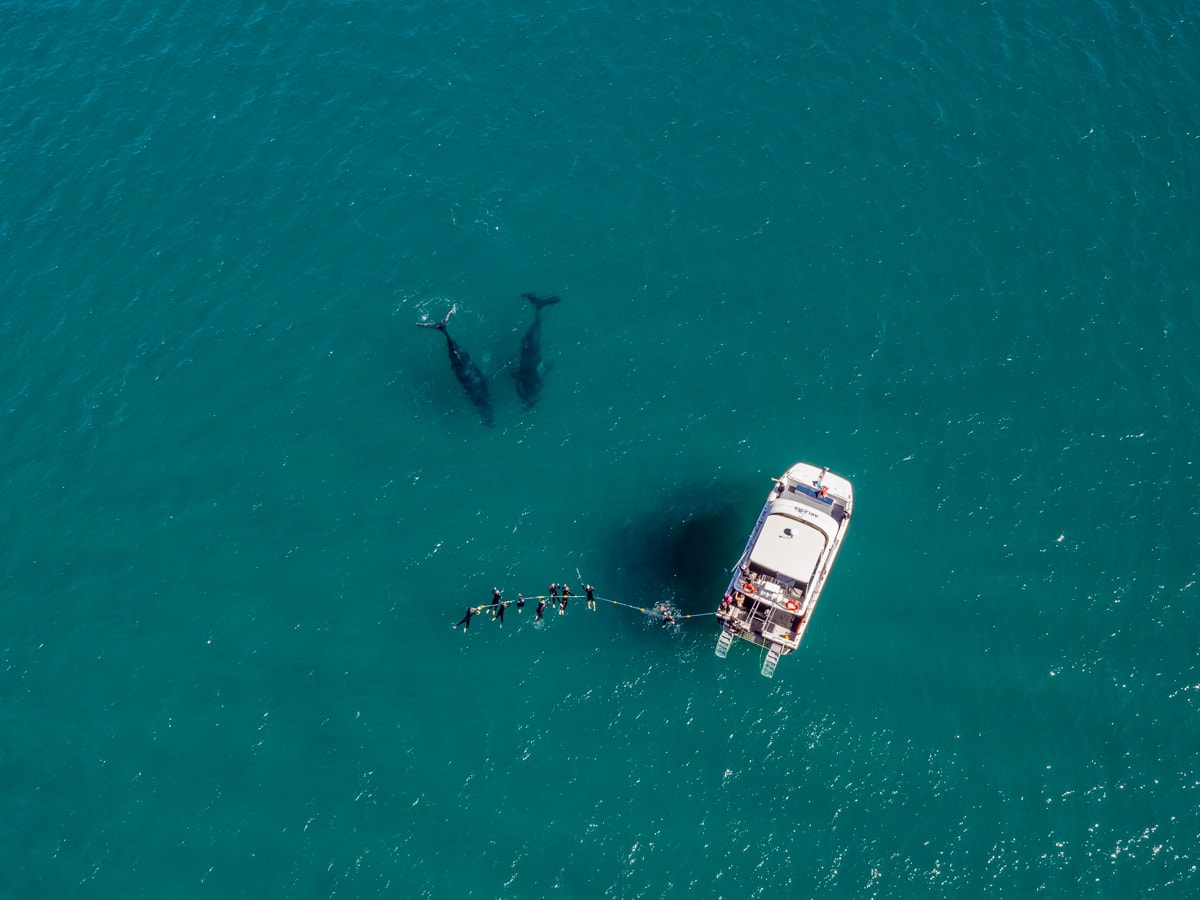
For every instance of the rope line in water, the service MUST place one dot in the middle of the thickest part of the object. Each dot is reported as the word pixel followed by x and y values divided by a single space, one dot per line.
pixel 643 609
pixel 583 597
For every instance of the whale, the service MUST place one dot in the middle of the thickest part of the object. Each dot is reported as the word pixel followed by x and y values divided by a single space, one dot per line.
pixel 465 370
pixel 529 372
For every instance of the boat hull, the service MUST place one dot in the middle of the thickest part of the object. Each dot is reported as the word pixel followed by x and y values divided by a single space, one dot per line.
pixel 774 588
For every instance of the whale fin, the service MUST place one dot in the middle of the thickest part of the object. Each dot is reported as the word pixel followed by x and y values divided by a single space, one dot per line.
pixel 541 302
pixel 440 326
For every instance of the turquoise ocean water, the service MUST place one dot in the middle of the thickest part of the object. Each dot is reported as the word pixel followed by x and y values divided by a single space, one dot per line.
pixel 949 250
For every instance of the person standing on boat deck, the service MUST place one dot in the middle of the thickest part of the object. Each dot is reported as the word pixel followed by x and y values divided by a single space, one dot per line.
pixel 465 621
pixel 495 599
pixel 562 604
pixel 520 602
pixel 500 612
pixel 541 607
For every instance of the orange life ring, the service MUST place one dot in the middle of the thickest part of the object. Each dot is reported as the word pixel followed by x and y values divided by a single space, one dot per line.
pixel 793 605
pixel 748 589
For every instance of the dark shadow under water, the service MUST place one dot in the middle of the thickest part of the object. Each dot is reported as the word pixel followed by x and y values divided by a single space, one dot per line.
pixel 679 552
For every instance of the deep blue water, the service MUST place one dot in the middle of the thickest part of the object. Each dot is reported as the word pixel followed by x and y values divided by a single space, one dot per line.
pixel 950 253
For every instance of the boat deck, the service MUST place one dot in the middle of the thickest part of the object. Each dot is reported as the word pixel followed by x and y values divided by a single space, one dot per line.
pixel 834 507
pixel 760 621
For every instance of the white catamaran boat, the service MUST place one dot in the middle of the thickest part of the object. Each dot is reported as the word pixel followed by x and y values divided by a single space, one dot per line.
pixel 777 582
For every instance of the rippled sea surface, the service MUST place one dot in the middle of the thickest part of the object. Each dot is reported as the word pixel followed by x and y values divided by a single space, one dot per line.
pixel 951 253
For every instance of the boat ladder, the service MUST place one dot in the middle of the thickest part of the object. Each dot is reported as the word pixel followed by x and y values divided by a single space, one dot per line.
pixel 723 642
pixel 769 664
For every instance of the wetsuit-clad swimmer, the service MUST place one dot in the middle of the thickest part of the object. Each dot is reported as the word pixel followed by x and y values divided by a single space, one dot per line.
pixel 540 608
pixel 520 602
pixel 495 599
pixel 465 622
pixel 500 612
pixel 591 597
pixel 562 604
pixel 668 619
pixel 554 594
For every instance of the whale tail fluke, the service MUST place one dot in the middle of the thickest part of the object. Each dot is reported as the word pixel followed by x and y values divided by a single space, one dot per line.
pixel 441 326
pixel 541 302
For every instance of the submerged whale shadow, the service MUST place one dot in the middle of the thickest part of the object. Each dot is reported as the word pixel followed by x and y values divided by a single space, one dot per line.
pixel 529 371
pixel 469 375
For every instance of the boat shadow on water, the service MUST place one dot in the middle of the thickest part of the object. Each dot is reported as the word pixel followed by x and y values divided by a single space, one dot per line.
pixel 677 555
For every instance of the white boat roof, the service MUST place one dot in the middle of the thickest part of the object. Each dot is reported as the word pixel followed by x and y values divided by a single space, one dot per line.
pixel 804 511
pixel 788 547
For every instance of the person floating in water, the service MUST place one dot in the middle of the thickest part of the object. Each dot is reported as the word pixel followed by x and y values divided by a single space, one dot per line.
pixel 591 597
pixel 562 604
pixel 520 602
pixel 495 600
pixel 667 618
pixel 465 622
pixel 554 594
pixel 541 608
pixel 500 612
